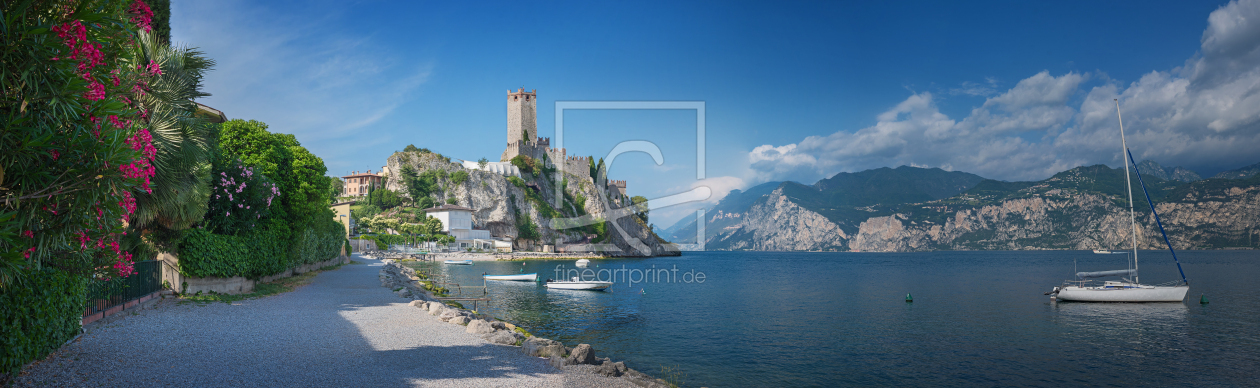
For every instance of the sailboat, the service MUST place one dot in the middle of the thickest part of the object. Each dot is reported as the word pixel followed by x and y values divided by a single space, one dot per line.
pixel 1128 289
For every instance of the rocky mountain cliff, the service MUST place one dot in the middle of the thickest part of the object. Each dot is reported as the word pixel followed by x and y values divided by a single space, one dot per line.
pixel 500 205
pixel 1082 208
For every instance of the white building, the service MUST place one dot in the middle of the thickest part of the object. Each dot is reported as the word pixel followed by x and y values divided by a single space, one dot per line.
pixel 457 222
pixel 501 168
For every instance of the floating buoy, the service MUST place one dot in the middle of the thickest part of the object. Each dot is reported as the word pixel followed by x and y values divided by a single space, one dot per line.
pixel 1203 299
pixel 909 299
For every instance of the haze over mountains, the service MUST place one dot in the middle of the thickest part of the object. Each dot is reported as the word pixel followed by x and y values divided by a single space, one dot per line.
pixel 913 209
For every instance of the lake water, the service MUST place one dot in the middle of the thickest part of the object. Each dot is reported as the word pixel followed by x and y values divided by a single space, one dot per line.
pixel 840 319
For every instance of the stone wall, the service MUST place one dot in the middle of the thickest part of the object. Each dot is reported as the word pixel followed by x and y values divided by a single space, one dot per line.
pixel 232 285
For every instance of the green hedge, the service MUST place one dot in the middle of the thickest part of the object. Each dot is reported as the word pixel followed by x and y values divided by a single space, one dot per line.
pixel 262 252
pixel 203 254
pixel 38 316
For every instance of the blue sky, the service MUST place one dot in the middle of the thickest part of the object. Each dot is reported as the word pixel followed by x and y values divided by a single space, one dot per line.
pixel 796 90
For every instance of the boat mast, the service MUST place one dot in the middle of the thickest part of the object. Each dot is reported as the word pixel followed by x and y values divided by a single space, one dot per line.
pixel 1129 184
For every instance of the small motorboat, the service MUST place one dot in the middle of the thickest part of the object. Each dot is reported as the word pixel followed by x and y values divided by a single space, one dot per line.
pixel 582 263
pixel 525 277
pixel 578 284
pixel 458 262
pixel 1107 252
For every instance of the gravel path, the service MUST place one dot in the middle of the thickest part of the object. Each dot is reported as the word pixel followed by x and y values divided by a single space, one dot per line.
pixel 342 330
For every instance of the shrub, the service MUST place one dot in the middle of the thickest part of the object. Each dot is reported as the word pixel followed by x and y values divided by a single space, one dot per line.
pixel 526 164
pixel 518 182
pixel 459 177
pixel 75 145
pixel 452 201
pixel 38 316
pixel 240 199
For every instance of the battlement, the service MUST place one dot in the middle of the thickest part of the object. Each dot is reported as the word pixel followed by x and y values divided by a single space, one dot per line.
pixel 521 93
pixel 618 187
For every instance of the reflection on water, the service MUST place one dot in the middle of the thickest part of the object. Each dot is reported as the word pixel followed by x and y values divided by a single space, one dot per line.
pixel 840 319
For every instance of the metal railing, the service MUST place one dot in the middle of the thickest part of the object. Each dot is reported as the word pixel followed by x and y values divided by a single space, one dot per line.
pixel 105 294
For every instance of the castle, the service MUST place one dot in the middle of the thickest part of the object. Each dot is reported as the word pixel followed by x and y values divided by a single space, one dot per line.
pixel 522 139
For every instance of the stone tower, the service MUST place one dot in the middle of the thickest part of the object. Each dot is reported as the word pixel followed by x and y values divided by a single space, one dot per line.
pixel 522 115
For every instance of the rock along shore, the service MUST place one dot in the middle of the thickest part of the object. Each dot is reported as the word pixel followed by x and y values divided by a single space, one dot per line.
pixel 579 358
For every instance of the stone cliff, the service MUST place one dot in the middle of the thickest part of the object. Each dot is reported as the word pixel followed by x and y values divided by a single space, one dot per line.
pixel 497 203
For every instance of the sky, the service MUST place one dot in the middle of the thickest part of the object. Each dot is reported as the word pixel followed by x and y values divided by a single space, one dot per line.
pixel 792 90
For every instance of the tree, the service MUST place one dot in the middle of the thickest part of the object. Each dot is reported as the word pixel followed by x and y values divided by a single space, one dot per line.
pixel 282 158
pixel 385 198
pixel 183 142
pixel 335 187
pixel 482 163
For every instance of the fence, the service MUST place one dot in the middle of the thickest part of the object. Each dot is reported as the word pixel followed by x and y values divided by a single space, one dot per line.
pixel 105 294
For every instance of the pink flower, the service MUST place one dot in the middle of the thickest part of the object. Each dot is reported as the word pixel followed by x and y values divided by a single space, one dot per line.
pixel 228 214
pixel 143 16
pixel 154 69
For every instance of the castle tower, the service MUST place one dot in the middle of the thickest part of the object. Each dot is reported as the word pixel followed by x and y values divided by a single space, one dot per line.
pixel 522 115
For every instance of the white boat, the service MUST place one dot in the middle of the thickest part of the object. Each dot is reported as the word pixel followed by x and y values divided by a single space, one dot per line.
pixel 458 262
pixel 578 284
pixel 1107 252
pixel 1130 289
pixel 582 263
pixel 525 277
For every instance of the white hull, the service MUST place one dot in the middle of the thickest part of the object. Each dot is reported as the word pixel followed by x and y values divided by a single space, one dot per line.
pixel 592 285
pixel 1135 294
pixel 582 263
pixel 458 262
pixel 529 277
pixel 1106 252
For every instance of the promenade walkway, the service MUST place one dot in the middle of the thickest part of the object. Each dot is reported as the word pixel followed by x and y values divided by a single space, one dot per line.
pixel 342 330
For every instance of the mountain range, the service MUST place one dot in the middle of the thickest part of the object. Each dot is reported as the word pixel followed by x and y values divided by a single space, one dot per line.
pixel 917 209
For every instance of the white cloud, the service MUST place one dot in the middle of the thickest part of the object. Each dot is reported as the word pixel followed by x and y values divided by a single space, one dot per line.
pixel 1204 115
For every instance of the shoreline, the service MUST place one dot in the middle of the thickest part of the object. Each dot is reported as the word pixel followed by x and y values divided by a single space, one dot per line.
pixel 521 256
pixel 579 358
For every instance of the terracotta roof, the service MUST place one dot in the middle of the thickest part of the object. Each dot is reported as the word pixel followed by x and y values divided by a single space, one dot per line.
pixel 343 203
pixel 362 174
pixel 446 207
pixel 217 115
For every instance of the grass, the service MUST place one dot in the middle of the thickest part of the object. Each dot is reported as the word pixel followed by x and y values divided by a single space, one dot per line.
pixel 673 375
pixel 278 286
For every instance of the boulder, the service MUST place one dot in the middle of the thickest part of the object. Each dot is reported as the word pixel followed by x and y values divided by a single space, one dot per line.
pixel 542 347
pixel 500 338
pixel 509 326
pixel 435 308
pixel 611 369
pixel 582 354
pixel 403 293
pixel 498 325
pixel 478 326
pixel 460 320
pixel 448 314
pixel 418 303
pixel 559 362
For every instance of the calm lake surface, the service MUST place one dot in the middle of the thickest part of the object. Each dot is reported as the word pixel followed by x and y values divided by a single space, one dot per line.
pixel 840 319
